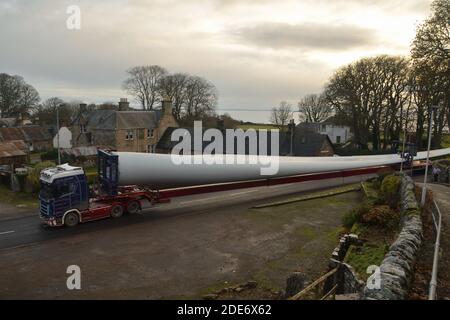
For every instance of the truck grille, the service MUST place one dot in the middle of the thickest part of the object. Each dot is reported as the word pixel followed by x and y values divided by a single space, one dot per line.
pixel 44 208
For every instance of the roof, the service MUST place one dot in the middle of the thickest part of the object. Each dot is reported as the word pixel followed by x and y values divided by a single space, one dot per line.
pixel 25 133
pixel 12 149
pixel 81 151
pixel 61 171
pixel 8 134
pixel 35 133
pixel 306 143
pixel 102 119
pixel 107 119
pixel 8 122
pixel 136 119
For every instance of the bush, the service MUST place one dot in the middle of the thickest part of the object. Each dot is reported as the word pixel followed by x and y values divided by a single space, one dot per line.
pixel 382 216
pixel 355 215
pixel 383 173
pixel 52 155
pixel 390 190
pixel 34 174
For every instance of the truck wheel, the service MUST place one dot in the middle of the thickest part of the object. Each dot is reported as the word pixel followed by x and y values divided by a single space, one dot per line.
pixel 116 211
pixel 71 219
pixel 133 207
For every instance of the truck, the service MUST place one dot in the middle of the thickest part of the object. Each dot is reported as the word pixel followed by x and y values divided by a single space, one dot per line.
pixel 67 200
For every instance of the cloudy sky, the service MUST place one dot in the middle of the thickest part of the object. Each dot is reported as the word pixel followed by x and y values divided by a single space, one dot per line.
pixel 256 52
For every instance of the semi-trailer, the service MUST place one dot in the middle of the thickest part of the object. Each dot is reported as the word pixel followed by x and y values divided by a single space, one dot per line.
pixel 126 180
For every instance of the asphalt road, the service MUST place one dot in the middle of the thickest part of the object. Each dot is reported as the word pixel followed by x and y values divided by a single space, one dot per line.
pixel 178 249
pixel 29 230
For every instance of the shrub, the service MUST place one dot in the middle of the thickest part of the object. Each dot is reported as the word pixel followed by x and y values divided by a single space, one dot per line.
pixel 354 215
pixel 382 216
pixel 383 173
pixel 34 174
pixel 390 190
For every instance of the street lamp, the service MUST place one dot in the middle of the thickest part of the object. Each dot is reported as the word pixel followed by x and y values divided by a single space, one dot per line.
pixel 424 186
pixel 57 132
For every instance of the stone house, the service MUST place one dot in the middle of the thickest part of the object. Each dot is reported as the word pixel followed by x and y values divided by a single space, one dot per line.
pixel 123 129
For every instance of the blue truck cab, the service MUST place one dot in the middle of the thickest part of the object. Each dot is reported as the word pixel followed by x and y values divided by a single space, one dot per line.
pixel 64 189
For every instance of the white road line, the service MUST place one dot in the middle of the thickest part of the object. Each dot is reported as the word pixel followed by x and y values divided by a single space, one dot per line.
pixel 243 192
pixel 217 198
pixel 198 200
pixel 6 232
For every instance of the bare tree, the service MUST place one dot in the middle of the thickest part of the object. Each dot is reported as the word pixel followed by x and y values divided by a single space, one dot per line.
pixel 174 87
pixel 143 84
pixel 16 96
pixel 368 95
pixel 314 108
pixel 431 68
pixel 201 97
pixel 280 116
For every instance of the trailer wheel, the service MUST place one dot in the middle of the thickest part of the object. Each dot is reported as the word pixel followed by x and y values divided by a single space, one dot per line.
pixel 116 211
pixel 71 219
pixel 133 207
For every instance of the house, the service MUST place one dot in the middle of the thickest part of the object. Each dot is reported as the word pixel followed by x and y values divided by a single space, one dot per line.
pixel 304 143
pixel 122 129
pixel 65 138
pixel 8 122
pixel 13 153
pixel 337 133
pixel 36 137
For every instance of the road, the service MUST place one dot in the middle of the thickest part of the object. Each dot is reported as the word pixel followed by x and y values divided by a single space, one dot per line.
pixel 175 249
pixel 29 229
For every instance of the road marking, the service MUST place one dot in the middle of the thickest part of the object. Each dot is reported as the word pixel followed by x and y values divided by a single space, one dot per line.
pixel 243 192
pixel 217 198
pixel 198 200
pixel 6 232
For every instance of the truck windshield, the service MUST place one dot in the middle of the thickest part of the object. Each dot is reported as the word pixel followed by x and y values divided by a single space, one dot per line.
pixel 48 191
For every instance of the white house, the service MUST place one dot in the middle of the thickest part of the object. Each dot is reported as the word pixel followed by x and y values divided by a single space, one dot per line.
pixel 65 139
pixel 337 133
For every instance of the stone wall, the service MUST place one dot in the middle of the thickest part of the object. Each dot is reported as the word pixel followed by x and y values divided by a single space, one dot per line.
pixel 396 269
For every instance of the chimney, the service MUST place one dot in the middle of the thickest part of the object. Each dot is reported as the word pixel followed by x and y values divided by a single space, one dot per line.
pixel 220 124
pixel 167 105
pixel 124 105
pixel 291 133
pixel 83 107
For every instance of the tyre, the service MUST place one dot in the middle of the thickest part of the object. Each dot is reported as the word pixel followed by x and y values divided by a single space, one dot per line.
pixel 71 219
pixel 116 211
pixel 133 207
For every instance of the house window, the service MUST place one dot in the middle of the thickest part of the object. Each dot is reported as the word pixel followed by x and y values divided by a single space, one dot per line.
pixel 82 128
pixel 150 148
pixel 129 135
pixel 149 133
pixel 324 128
pixel 338 139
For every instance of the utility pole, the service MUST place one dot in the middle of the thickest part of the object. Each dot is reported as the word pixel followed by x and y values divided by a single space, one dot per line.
pixel 57 133
pixel 425 179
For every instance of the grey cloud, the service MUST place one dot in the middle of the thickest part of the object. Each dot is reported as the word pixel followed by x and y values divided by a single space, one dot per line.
pixel 305 36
